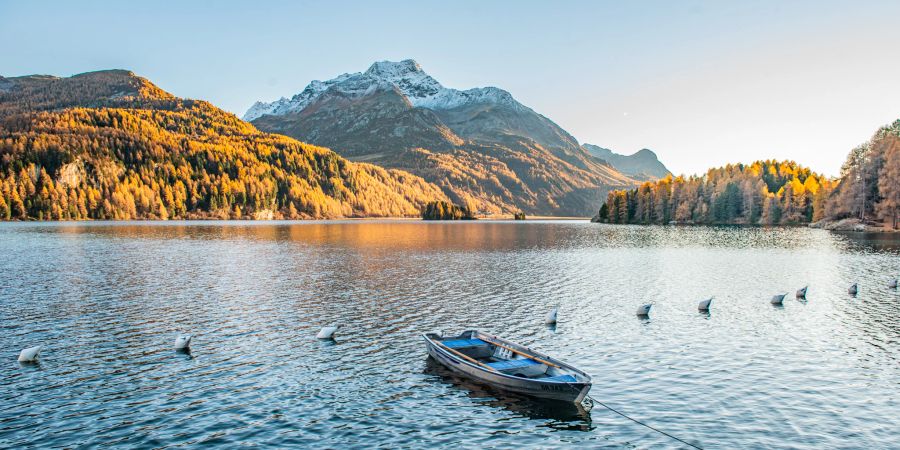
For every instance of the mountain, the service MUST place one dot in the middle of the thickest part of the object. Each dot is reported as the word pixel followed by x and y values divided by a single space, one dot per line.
pixel 643 165
pixel 112 145
pixel 481 146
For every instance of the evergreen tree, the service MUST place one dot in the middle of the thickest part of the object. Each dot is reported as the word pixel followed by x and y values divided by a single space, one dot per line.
pixel 603 214
pixel 736 193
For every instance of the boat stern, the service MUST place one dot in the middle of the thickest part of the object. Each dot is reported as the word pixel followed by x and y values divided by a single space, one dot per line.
pixel 582 393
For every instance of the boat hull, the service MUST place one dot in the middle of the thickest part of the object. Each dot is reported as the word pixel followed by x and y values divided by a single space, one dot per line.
pixel 568 392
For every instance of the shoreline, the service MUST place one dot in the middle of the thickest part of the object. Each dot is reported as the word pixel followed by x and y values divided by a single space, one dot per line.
pixel 331 219
pixel 853 225
pixel 841 226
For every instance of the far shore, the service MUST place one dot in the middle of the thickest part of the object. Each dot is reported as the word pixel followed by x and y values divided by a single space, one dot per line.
pixel 846 225
pixel 842 226
pixel 250 219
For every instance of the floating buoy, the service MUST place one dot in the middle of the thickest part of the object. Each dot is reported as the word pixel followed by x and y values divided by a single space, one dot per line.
pixel 183 342
pixel 327 332
pixel 704 305
pixel 778 299
pixel 551 317
pixel 644 310
pixel 853 289
pixel 30 354
pixel 893 284
pixel 801 293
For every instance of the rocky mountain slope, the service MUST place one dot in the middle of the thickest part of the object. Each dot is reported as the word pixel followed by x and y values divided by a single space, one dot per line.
pixel 643 165
pixel 111 145
pixel 481 146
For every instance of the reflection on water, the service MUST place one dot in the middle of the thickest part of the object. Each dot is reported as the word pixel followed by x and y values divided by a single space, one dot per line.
pixel 888 242
pixel 558 415
pixel 107 301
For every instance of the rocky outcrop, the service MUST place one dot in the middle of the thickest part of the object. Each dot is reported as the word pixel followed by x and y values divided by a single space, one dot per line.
pixel 850 224
pixel 72 174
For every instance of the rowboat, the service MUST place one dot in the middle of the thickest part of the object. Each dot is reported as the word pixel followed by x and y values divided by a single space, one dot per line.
pixel 572 414
pixel 508 366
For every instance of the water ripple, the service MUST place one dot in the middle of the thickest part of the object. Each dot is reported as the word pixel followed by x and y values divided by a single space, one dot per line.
pixel 107 300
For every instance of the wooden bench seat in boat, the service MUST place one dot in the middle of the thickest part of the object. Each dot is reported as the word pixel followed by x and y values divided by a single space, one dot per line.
pixel 512 364
pixel 464 343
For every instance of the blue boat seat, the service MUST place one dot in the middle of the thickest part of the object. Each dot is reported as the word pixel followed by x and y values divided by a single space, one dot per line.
pixel 561 378
pixel 464 343
pixel 512 364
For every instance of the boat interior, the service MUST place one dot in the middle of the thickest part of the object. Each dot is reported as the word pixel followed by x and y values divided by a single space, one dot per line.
pixel 506 359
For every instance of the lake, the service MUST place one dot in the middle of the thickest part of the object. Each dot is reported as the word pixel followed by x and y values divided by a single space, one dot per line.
pixel 108 299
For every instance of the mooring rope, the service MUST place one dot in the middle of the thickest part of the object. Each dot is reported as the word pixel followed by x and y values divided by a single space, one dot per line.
pixel 594 400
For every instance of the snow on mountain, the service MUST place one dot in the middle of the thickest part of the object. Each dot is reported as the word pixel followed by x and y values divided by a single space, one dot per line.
pixel 407 76
pixel 295 103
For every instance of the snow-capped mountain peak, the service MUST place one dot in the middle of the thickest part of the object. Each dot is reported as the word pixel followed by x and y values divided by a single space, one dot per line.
pixel 407 76
pixel 390 69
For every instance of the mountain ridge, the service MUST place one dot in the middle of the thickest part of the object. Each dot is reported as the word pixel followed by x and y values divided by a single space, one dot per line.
pixel 421 89
pixel 396 115
pixel 643 164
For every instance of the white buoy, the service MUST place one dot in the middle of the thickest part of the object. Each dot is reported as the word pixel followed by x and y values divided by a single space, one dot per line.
pixel 801 293
pixel 30 354
pixel 853 289
pixel 704 305
pixel 893 284
pixel 551 317
pixel 778 299
pixel 183 342
pixel 327 332
pixel 644 310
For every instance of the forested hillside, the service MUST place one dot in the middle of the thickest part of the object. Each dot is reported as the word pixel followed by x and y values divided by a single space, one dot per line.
pixel 866 195
pixel 870 181
pixel 111 145
pixel 764 192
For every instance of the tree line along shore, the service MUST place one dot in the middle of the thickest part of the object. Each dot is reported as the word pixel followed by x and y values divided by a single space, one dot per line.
pixel 866 196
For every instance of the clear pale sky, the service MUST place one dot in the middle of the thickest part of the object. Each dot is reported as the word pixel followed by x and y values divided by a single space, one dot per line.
pixel 701 83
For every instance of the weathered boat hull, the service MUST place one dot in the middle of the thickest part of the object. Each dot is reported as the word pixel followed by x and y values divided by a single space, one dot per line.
pixel 563 391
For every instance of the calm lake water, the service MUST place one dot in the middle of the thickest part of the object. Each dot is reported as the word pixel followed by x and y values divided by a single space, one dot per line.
pixel 107 300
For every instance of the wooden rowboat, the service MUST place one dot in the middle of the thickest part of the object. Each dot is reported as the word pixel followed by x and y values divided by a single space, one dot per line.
pixel 508 366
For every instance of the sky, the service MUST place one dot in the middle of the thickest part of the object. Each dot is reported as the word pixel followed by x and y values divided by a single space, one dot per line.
pixel 702 83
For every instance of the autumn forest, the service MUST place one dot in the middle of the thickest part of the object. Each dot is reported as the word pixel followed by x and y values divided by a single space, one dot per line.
pixel 772 192
pixel 111 145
